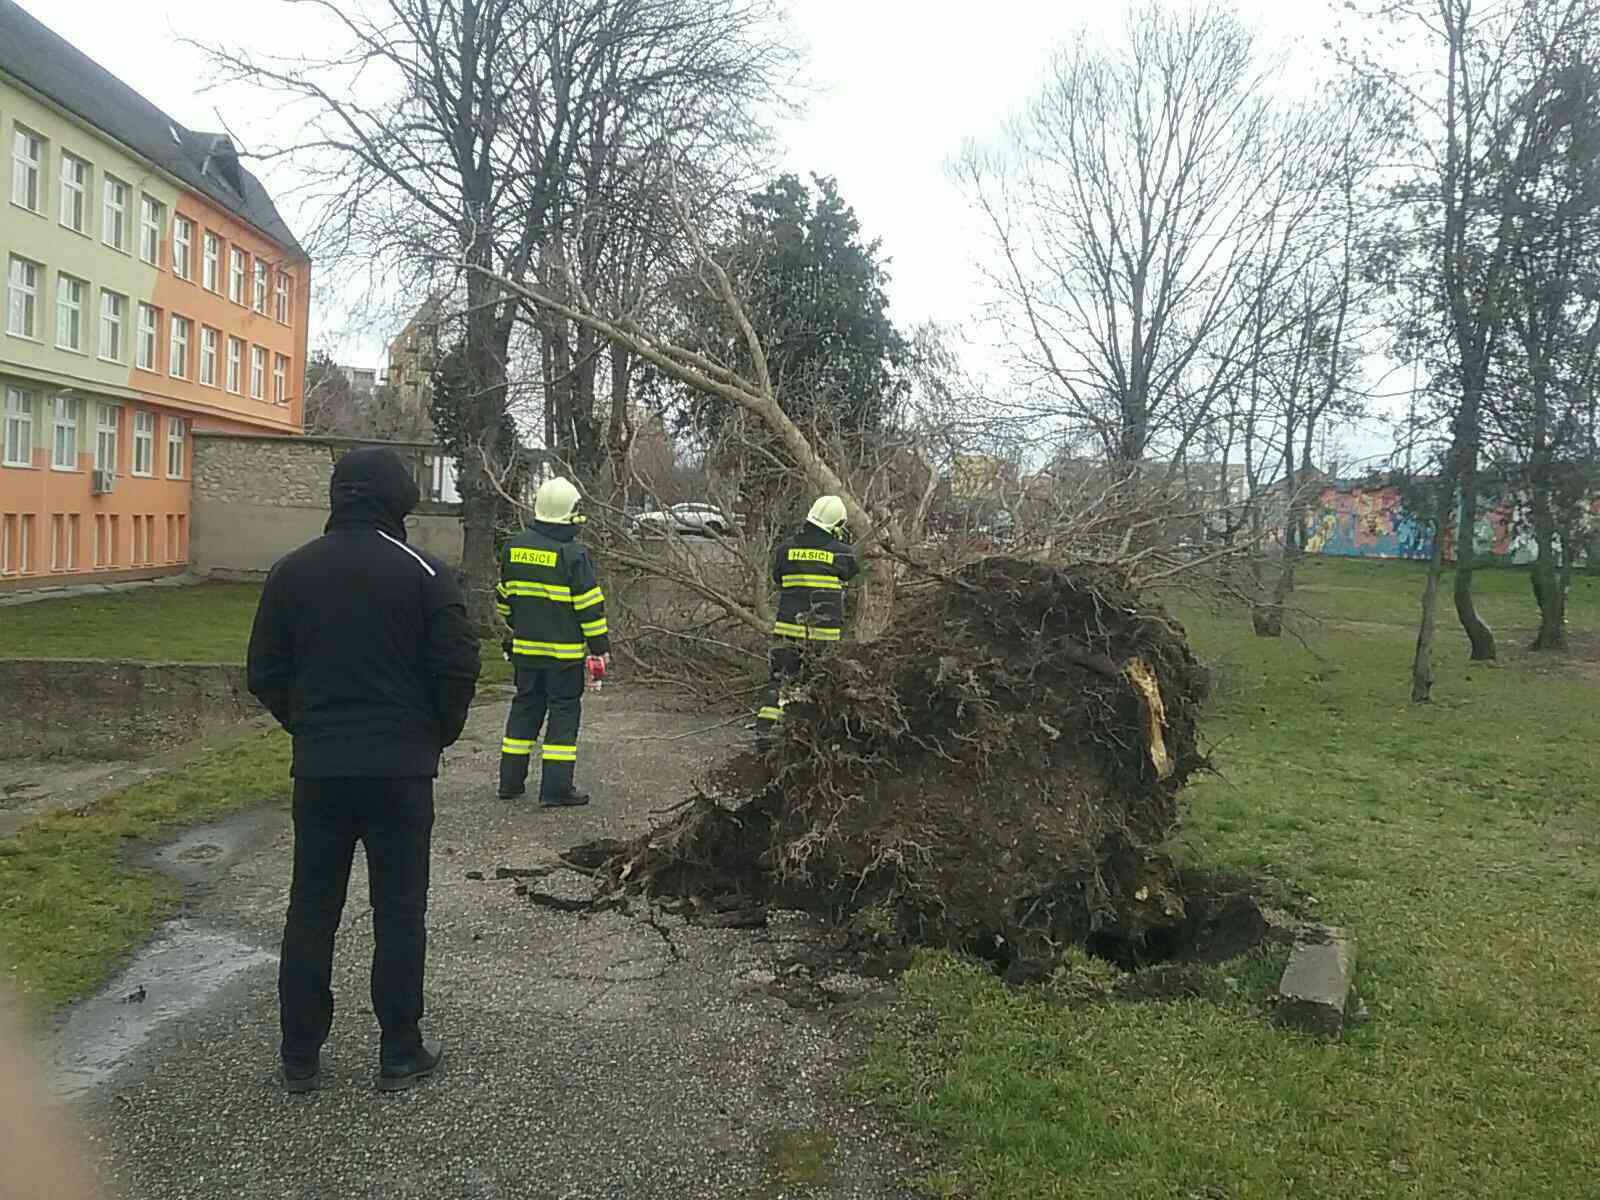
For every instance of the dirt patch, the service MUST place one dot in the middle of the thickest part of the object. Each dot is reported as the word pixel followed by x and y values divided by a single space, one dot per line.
pixel 1000 770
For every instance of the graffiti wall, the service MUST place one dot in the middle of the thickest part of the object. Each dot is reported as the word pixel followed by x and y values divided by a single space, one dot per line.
pixel 1372 522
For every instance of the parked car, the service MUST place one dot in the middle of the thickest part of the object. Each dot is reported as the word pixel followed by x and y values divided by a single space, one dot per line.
pixel 689 517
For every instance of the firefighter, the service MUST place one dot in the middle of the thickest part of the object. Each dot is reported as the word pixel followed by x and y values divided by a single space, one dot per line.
pixel 549 596
pixel 810 569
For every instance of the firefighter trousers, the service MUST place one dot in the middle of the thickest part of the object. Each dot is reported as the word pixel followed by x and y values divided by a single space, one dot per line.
pixel 550 697
pixel 786 664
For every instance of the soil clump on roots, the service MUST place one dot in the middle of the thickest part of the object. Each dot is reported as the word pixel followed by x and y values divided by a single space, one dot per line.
pixel 996 774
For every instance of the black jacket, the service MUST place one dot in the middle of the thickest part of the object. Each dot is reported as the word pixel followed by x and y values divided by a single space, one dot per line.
pixel 549 596
pixel 811 569
pixel 361 647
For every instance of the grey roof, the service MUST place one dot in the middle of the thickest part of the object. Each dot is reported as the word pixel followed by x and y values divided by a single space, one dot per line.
pixel 206 162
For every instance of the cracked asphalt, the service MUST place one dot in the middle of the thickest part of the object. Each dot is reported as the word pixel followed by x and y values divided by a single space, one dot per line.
pixel 588 1057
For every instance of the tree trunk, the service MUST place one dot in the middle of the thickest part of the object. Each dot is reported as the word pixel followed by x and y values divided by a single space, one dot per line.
pixel 1548 575
pixel 480 426
pixel 1478 631
pixel 1422 663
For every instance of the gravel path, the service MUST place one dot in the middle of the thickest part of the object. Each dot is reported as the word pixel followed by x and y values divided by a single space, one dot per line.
pixel 587 1057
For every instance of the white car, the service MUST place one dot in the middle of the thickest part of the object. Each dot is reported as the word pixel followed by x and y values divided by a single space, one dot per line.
pixel 704 519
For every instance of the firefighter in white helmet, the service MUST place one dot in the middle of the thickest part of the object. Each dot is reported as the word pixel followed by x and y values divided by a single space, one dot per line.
pixel 811 569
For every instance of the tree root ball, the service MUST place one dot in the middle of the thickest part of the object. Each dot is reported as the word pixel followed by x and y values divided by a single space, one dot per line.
pixel 996 773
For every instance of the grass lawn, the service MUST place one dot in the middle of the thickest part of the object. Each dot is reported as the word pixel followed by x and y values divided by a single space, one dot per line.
pixel 70 905
pixel 207 623
pixel 1457 841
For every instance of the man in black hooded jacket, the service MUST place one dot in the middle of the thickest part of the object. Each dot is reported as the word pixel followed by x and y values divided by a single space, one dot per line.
pixel 363 652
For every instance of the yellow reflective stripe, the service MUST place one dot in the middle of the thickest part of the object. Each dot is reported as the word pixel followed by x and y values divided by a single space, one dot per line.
pixel 544 591
pixel 560 753
pixel 516 746
pixel 547 649
pixel 500 590
pixel 769 713
pixel 812 581
pixel 810 633
pixel 503 609
pixel 588 599
pixel 593 629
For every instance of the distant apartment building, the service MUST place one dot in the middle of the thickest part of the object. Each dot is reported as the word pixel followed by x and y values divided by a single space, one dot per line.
pixel 413 355
pixel 152 290
pixel 363 381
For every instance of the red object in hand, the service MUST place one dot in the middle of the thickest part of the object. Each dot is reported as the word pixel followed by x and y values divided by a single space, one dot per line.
pixel 597 668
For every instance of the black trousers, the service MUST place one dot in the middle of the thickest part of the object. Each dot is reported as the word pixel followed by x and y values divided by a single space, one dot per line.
pixel 786 663
pixel 393 820
pixel 555 692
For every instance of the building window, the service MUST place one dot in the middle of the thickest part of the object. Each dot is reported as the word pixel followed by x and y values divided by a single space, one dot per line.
pixel 260 299
pixel 69 312
pixel 64 440
pixel 19 428
pixel 27 162
pixel 178 360
pixel 183 248
pixel 280 380
pixel 106 425
pixel 283 298
pixel 149 328
pixel 113 312
pixel 8 527
pixel 74 193
pixel 208 356
pixel 258 373
pixel 235 365
pixel 144 443
pixel 210 262
pixel 152 228
pixel 115 219
pixel 236 275
pixel 24 318
pixel 176 434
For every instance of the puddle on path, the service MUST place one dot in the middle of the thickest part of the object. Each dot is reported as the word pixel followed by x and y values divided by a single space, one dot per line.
pixel 174 975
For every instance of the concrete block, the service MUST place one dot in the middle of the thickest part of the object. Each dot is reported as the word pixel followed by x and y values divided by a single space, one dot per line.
pixel 1316 985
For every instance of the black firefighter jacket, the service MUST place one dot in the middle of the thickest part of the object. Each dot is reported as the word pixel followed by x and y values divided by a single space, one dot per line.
pixel 549 596
pixel 361 646
pixel 811 569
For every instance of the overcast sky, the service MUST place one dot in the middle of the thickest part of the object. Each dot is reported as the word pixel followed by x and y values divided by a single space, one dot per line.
pixel 897 85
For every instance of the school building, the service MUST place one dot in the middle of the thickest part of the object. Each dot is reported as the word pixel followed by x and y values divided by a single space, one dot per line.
pixel 152 292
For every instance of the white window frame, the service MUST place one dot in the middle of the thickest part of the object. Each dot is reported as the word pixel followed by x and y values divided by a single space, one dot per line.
pixel 210 261
pixel 107 434
pixel 23 284
pixel 76 177
pixel 114 322
pixel 177 441
pixel 178 329
pixel 152 229
pixel 69 315
pixel 147 341
pixel 258 372
pixel 280 379
pixel 114 213
pixel 16 440
pixel 144 443
pixel 28 155
pixel 64 416
pixel 283 297
pixel 236 275
pixel 258 293
pixel 183 248
pixel 235 366
pixel 208 355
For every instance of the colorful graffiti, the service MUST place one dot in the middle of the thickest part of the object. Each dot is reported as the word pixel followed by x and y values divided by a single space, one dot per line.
pixel 1372 522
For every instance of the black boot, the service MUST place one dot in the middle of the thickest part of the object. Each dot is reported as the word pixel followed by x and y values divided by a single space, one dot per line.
pixel 398 1076
pixel 555 786
pixel 571 799
pixel 298 1077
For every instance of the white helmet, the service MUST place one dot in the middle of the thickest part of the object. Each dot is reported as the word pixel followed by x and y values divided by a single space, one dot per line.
pixel 827 513
pixel 556 502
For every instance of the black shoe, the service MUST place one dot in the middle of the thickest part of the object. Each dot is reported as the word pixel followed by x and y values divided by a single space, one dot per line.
pixel 516 795
pixel 298 1078
pixel 572 799
pixel 397 1077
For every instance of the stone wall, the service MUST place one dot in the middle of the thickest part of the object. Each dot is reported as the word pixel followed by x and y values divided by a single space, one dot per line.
pixel 89 709
pixel 256 498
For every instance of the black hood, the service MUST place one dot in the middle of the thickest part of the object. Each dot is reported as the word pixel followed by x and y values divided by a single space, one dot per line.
pixel 372 486
pixel 556 533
